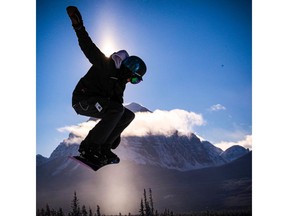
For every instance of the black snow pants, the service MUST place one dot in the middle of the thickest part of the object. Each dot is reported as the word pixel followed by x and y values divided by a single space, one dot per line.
pixel 114 118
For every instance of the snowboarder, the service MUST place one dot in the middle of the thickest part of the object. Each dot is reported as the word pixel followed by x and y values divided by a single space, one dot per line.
pixel 99 94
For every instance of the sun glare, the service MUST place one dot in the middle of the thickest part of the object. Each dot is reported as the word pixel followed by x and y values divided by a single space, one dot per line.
pixel 108 48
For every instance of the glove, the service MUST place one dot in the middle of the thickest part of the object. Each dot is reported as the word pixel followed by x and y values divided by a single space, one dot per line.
pixel 75 17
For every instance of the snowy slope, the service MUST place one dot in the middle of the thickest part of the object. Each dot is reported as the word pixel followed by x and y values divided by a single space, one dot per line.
pixel 174 152
pixel 234 152
pixel 177 152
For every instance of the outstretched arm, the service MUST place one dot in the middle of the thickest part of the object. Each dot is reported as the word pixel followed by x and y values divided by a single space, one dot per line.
pixel 91 51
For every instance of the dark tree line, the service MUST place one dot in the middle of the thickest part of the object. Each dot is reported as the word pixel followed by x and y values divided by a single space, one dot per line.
pixel 146 209
pixel 76 210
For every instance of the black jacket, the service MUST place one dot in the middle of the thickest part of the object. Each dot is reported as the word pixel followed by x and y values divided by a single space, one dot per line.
pixel 103 78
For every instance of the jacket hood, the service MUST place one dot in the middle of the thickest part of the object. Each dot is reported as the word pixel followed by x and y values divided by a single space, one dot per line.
pixel 118 57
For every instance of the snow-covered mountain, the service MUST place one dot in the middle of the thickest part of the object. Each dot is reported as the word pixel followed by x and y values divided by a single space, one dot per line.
pixel 135 107
pixel 174 151
pixel 234 152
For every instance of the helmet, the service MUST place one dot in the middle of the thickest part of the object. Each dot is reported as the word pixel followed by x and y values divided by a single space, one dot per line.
pixel 137 66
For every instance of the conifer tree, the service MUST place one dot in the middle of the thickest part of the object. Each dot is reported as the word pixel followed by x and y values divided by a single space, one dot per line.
pixel 141 211
pixel 84 211
pixel 98 211
pixel 48 211
pixel 60 212
pixel 53 212
pixel 90 212
pixel 75 206
pixel 146 204
pixel 42 212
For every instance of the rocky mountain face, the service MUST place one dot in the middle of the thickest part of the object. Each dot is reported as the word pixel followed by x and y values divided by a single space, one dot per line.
pixel 177 152
pixel 233 153
pixel 137 107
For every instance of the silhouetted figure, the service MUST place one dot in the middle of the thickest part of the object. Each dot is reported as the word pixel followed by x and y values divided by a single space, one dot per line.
pixel 99 94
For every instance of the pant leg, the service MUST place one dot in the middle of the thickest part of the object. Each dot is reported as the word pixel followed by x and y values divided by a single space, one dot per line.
pixel 114 138
pixel 116 142
pixel 98 135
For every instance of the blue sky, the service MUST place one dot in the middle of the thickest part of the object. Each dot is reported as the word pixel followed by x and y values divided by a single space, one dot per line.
pixel 198 54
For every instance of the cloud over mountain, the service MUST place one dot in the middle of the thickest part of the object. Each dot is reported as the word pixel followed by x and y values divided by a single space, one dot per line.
pixel 159 122
pixel 162 122
pixel 246 143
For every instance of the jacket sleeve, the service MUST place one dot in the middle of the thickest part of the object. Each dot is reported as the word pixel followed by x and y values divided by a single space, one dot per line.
pixel 91 51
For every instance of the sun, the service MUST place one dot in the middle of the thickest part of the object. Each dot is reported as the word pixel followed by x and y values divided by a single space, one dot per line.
pixel 108 47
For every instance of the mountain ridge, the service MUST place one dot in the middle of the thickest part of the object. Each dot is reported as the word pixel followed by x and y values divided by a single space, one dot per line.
pixel 173 151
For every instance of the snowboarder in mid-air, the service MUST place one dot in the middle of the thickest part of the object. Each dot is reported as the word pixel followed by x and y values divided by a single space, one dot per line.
pixel 99 94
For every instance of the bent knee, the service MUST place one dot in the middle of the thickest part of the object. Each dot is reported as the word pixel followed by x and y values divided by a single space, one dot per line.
pixel 116 108
pixel 129 114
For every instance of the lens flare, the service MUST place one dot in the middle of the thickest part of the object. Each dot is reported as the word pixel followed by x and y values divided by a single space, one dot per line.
pixel 108 47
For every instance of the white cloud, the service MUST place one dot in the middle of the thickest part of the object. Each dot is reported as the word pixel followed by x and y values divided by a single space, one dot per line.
pixel 157 123
pixel 232 134
pixel 217 107
pixel 246 143
pixel 164 123
pixel 80 131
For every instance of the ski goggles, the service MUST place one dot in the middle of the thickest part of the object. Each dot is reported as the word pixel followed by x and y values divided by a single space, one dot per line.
pixel 136 66
pixel 136 78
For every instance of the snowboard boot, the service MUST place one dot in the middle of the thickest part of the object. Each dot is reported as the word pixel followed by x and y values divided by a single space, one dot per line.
pixel 92 154
pixel 110 156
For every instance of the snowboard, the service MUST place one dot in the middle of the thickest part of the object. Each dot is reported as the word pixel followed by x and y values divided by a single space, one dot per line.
pixel 94 166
